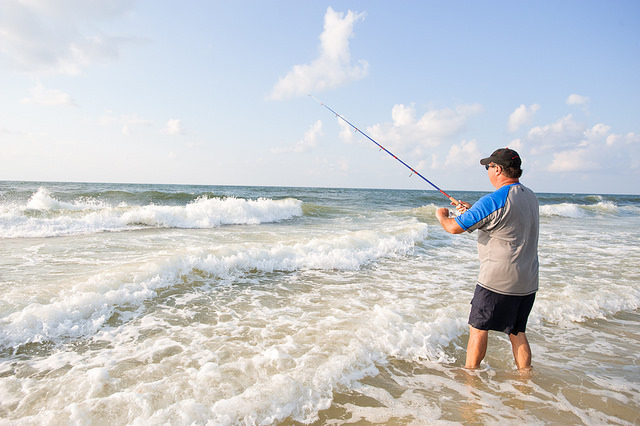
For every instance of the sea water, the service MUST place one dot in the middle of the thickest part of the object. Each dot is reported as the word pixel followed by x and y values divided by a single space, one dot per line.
pixel 166 304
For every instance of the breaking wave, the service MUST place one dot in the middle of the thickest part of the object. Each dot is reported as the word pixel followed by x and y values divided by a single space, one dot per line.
pixel 43 215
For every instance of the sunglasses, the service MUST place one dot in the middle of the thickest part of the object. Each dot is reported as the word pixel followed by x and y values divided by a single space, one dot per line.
pixel 488 166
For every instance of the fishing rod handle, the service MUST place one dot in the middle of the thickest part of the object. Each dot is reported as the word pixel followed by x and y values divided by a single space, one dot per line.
pixel 454 201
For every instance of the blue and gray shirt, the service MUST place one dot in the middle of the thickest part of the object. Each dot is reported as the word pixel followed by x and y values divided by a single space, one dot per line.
pixel 507 221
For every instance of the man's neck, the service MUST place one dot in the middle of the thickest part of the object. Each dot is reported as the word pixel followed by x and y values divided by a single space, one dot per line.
pixel 506 181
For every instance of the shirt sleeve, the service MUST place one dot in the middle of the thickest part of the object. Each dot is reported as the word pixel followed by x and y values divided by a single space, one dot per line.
pixel 480 211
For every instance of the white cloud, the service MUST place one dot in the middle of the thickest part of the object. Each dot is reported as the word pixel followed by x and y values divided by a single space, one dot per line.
pixel 347 132
pixel 174 127
pixel 310 140
pixel 127 122
pixel 575 99
pixel 130 121
pixel 435 161
pixel 7 131
pixel 569 146
pixel 332 68
pixel 40 95
pixel 596 149
pixel 628 139
pixel 516 144
pixel 463 155
pixel 568 142
pixel 573 160
pixel 559 135
pixel 522 116
pixel 58 36
pixel 597 132
pixel 403 115
pixel 407 133
pixel 342 164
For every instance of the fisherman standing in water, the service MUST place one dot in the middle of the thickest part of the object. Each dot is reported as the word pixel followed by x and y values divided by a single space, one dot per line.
pixel 507 223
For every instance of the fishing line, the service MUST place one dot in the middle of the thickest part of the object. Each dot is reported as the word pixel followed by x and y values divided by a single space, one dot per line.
pixel 413 171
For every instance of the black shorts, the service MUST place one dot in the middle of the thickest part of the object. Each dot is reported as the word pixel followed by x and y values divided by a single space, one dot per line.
pixel 500 312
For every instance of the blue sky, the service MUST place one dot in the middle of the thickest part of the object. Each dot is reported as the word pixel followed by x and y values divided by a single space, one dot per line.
pixel 216 92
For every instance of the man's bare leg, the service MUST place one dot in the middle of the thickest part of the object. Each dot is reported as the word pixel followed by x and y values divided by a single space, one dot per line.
pixel 477 347
pixel 521 350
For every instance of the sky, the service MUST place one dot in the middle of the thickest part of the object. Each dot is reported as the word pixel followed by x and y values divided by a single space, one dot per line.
pixel 217 92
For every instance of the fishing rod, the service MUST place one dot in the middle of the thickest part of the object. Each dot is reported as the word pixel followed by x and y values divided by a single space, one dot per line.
pixel 453 200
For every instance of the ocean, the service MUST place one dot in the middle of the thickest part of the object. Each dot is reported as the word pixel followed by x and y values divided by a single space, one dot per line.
pixel 215 305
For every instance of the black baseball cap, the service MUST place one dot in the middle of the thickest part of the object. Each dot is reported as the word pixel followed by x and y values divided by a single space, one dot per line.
pixel 504 157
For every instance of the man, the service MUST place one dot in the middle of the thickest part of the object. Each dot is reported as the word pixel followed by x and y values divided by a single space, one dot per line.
pixel 507 223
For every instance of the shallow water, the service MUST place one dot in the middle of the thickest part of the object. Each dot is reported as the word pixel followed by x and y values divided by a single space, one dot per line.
pixel 143 304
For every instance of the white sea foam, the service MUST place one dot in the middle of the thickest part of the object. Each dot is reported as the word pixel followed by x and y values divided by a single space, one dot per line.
pixel 244 369
pixel 354 311
pixel 564 209
pixel 83 309
pixel 578 211
pixel 580 304
pixel 44 200
pixel 45 216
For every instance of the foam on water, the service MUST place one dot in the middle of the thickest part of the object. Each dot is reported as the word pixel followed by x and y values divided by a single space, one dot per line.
pixel 348 313
pixel 83 308
pixel 579 304
pixel 258 363
pixel 45 216
pixel 44 200
pixel 578 211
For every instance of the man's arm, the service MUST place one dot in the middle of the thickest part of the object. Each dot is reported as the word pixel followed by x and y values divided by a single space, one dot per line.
pixel 449 224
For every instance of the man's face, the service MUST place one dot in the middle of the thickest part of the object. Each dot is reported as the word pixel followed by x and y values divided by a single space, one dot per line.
pixel 494 171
